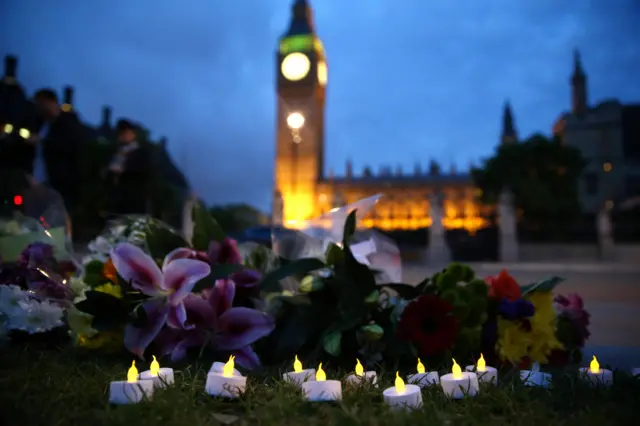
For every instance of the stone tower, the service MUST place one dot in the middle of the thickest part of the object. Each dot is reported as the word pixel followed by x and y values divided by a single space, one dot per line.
pixel 509 134
pixel 301 81
pixel 579 100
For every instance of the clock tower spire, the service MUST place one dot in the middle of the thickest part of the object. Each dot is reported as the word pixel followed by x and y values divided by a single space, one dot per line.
pixel 300 85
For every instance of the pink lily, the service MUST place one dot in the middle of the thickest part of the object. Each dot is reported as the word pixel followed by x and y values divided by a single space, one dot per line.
pixel 216 321
pixel 168 288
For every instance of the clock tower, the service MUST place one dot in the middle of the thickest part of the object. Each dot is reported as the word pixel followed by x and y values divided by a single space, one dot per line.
pixel 301 81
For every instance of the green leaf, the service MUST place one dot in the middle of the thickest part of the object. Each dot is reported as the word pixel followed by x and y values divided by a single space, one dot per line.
pixel 162 240
pixel 93 279
pixel 334 254
pixel 102 305
pixel 93 267
pixel 405 291
pixel 205 228
pixel 545 284
pixel 349 228
pixel 301 267
pixel 332 342
pixel 217 272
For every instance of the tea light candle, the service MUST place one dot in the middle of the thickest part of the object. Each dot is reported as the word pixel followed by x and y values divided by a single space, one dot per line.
pixel 458 384
pixel 422 378
pixel 322 389
pixel 132 391
pixel 298 376
pixel 228 384
pixel 403 396
pixel 535 377
pixel 161 377
pixel 596 375
pixel 362 376
pixel 485 374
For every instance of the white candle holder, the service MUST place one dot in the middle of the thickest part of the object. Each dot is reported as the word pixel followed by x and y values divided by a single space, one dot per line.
pixel 326 390
pixel 367 377
pixel 410 398
pixel 535 378
pixel 603 377
pixel 163 379
pixel 308 375
pixel 457 388
pixel 423 380
pixel 124 392
pixel 225 387
pixel 488 375
pixel 218 367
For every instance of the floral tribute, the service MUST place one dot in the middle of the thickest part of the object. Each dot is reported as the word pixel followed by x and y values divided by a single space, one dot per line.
pixel 148 290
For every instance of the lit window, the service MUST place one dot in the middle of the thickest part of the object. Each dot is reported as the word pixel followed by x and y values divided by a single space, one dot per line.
pixel 24 133
pixel 8 128
pixel 607 167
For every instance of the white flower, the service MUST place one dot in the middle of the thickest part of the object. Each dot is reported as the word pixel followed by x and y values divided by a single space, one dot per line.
pixel 36 317
pixel 10 298
pixel 100 245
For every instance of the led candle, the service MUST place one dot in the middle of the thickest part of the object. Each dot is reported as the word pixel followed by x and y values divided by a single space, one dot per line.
pixel 161 377
pixel 360 376
pixel 422 378
pixel 485 374
pixel 132 391
pixel 403 396
pixel 322 389
pixel 535 377
pixel 457 384
pixel 298 376
pixel 596 375
pixel 228 384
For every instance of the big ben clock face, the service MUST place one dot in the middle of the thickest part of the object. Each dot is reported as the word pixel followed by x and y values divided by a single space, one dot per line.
pixel 295 66
pixel 322 73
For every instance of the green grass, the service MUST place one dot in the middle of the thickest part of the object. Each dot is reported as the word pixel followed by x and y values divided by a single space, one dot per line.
pixel 67 387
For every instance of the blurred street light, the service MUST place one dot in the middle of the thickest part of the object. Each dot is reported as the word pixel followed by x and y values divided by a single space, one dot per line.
pixel 295 121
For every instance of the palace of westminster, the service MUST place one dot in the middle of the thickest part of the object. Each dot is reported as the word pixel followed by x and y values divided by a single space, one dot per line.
pixel 302 191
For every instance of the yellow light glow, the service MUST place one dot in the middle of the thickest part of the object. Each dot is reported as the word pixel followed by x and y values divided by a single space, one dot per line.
pixel 323 73
pixel 456 370
pixel 359 369
pixel 227 370
pixel 132 374
pixel 8 128
pixel 320 374
pixel 594 366
pixel 482 365
pixel 66 107
pixel 399 384
pixel 297 365
pixel 607 167
pixel 420 367
pixel 155 367
pixel 295 66
pixel 24 133
pixel 295 120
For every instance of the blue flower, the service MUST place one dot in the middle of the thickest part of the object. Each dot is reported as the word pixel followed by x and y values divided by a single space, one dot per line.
pixel 520 308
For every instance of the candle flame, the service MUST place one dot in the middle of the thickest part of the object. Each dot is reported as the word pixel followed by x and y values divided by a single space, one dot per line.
pixel 482 365
pixel 155 367
pixel 359 369
pixel 227 370
pixel 297 365
pixel 320 374
pixel 132 374
pixel 594 366
pixel 456 370
pixel 420 367
pixel 400 389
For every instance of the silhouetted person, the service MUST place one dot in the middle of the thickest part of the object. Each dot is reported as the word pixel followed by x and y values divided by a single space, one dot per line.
pixel 61 139
pixel 129 173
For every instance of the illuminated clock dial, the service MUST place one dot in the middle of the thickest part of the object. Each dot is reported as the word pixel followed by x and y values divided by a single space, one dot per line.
pixel 295 66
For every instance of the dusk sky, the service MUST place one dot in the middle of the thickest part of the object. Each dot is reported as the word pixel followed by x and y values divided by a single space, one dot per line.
pixel 408 79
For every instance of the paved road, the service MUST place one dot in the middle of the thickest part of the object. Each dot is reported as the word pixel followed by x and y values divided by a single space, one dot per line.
pixel 612 297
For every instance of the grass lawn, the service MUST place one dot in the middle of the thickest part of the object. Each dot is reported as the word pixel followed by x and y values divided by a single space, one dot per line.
pixel 67 387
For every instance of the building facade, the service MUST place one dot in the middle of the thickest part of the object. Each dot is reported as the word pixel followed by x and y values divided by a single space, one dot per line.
pixel 608 135
pixel 302 191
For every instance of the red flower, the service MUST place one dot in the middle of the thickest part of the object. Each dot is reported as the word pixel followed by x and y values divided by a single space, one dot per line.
pixel 503 286
pixel 428 322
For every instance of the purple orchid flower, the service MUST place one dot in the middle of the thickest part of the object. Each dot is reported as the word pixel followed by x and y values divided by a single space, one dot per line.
pixel 216 322
pixel 225 252
pixel 572 306
pixel 168 288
